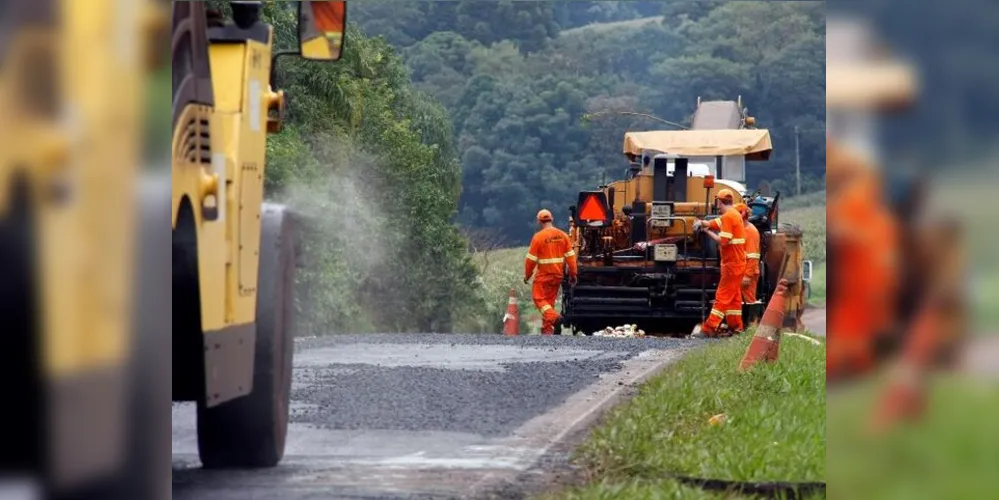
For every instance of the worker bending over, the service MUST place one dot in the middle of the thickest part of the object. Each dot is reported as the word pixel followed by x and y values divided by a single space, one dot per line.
pixel 731 239
pixel 550 249
pixel 752 276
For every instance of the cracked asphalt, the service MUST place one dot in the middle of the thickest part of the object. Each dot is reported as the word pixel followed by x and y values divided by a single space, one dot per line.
pixel 430 416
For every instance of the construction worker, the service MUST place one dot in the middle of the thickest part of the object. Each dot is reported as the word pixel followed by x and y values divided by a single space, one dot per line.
pixel 731 239
pixel 863 263
pixel 550 249
pixel 752 276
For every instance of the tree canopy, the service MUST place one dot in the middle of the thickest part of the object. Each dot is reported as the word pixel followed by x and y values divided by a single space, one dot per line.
pixel 370 165
pixel 518 80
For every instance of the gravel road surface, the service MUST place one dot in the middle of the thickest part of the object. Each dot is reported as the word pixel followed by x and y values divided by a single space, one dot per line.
pixel 430 416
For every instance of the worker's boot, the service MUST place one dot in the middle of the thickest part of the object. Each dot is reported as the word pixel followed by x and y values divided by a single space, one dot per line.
pixel 723 331
pixel 698 332
pixel 701 331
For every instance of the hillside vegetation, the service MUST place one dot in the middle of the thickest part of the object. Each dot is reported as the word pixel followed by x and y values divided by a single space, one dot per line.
pixel 370 165
pixel 534 90
pixel 450 131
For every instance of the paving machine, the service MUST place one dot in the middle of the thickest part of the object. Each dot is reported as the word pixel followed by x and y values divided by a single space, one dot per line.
pixel 233 254
pixel 640 260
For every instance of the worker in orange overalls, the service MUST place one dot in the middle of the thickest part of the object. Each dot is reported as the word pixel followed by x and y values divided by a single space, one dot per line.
pixel 550 250
pixel 752 276
pixel 864 267
pixel 731 238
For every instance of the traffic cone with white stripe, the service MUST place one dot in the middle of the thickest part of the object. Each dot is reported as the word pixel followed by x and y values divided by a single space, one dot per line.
pixel 511 320
pixel 766 341
pixel 905 397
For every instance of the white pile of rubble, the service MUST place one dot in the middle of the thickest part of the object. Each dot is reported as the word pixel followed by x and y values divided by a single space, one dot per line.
pixel 623 331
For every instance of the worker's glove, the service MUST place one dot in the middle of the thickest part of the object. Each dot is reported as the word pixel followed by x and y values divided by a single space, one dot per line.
pixel 573 280
pixel 526 280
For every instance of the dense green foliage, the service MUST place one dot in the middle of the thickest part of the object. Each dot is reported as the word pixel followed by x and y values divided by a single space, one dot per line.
pixel 518 79
pixel 370 165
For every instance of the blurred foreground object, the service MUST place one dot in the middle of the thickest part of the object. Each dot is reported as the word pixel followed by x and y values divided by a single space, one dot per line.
pixel 860 75
pixel 72 77
pixel 896 277
pixel 234 255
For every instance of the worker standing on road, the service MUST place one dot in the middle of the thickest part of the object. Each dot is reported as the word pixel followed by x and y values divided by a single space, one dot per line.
pixel 550 249
pixel 752 276
pixel 731 238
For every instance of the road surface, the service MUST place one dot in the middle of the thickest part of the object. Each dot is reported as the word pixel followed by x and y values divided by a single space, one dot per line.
pixel 815 320
pixel 981 357
pixel 431 416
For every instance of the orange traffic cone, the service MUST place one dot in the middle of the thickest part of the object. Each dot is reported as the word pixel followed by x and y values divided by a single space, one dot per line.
pixel 905 397
pixel 511 320
pixel 766 342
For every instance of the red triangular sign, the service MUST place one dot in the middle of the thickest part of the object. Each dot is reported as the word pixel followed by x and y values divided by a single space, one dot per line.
pixel 592 209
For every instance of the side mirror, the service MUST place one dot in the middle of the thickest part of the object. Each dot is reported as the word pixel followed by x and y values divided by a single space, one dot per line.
pixel 806 271
pixel 321 27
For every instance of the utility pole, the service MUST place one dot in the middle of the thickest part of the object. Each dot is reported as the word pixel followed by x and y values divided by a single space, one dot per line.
pixel 797 160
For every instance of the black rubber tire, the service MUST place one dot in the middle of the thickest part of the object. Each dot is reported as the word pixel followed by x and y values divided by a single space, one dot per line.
pixel 249 432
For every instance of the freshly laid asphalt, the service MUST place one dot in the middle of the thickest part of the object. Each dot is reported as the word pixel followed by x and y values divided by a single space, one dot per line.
pixel 429 416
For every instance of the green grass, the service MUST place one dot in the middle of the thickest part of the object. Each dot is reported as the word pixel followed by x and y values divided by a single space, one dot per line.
pixel 813 199
pixel 818 286
pixel 809 212
pixel 502 270
pixel 775 428
pixel 950 453
pixel 812 220
pixel 636 489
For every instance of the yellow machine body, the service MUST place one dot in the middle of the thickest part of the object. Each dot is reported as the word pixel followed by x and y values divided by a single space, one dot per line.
pixel 232 182
pixel 71 86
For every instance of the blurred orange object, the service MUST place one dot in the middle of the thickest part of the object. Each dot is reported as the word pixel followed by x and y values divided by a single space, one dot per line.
pixel 863 241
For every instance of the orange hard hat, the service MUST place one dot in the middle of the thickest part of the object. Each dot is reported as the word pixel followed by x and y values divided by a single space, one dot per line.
pixel 743 209
pixel 725 194
pixel 544 216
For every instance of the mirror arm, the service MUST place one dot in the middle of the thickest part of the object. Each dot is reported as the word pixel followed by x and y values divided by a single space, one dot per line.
pixel 274 58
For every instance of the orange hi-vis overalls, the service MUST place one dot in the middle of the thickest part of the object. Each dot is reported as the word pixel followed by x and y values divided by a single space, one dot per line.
pixel 728 297
pixel 864 237
pixel 752 262
pixel 550 249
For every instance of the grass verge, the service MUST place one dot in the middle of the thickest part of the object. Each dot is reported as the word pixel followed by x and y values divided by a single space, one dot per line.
pixel 775 427
pixel 950 453
pixel 818 286
pixel 501 270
